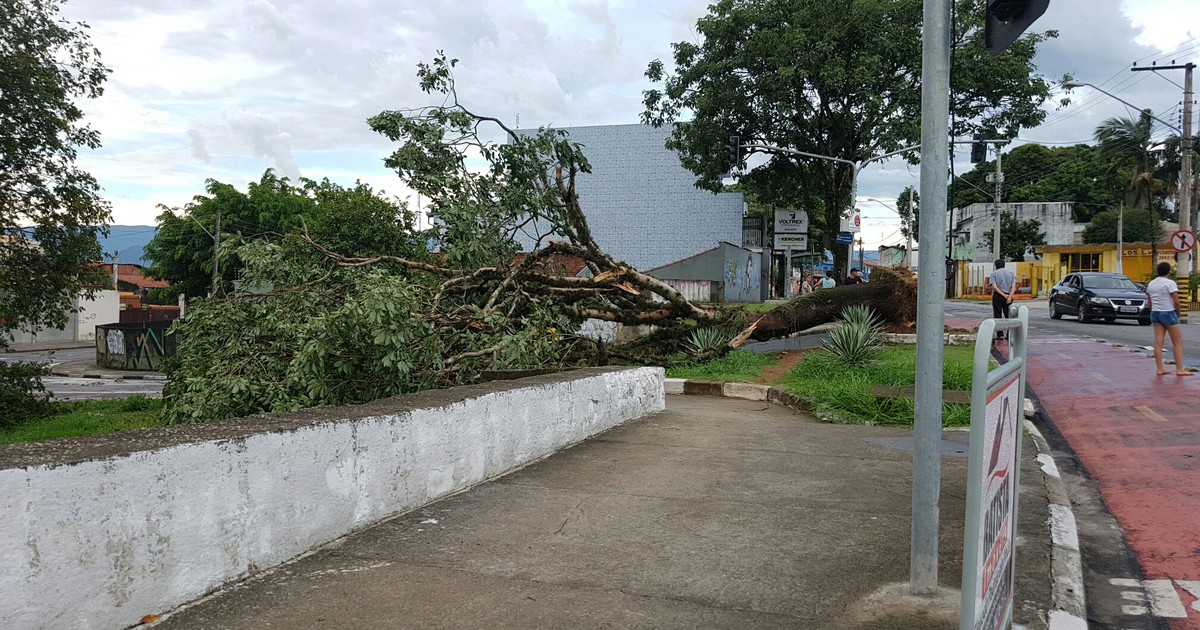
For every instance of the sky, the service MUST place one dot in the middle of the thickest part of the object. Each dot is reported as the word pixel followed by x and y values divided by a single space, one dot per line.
pixel 223 89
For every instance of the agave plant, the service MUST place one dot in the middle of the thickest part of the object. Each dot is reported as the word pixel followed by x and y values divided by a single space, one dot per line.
pixel 708 339
pixel 856 341
pixel 863 315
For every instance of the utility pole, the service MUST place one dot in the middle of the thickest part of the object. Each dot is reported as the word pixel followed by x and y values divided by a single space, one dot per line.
pixel 999 191
pixel 1186 148
pixel 931 285
pixel 1120 237
pixel 1184 261
pixel 912 210
pixel 216 253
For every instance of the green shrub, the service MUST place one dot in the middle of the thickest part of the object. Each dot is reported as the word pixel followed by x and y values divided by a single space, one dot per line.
pixel 23 397
pixel 708 339
pixel 856 341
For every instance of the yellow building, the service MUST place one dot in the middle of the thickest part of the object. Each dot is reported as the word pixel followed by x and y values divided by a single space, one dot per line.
pixel 1059 260
pixel 1037 277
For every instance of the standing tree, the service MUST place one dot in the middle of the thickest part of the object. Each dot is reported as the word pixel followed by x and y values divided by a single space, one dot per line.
pixel 908 204
pixel 1017 237
pixel 50 209
pixel 1034 173
pixel 1130 144
pixel 838 78
pixel 1140 226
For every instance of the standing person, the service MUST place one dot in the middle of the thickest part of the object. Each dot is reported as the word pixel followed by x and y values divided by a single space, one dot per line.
pixel 1002 282
pixel 828 282
pixel 1163 293
pixel 855 277
pixel 806 287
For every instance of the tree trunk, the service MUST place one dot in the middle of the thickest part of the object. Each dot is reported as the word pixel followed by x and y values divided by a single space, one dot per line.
pixel 892 294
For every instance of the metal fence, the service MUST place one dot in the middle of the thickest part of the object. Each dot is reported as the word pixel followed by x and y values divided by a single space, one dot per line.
pixel 135 345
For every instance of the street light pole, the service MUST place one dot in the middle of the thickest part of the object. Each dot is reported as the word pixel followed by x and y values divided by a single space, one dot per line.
pixel 931 283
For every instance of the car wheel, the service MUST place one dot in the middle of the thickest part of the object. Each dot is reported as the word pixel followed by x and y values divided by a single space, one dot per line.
pixel 1054 314
pixel 1145 321
pixel 1084 316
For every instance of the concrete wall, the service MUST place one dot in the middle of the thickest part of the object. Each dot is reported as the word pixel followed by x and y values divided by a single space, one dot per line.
pixel 642 205
pixel 103 308
pixel 979 219
pixel 101 531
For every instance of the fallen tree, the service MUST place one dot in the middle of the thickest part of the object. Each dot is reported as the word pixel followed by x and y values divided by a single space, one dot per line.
pixel 892 293
pixel 324 328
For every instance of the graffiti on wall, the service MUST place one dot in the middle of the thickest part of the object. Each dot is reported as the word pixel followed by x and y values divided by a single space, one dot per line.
pixel 115 340
pixel 742 281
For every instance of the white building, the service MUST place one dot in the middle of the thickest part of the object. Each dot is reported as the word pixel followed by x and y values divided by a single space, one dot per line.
pixel 974 224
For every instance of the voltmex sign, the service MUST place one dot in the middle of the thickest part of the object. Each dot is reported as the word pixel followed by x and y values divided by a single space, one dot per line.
pixel 791 222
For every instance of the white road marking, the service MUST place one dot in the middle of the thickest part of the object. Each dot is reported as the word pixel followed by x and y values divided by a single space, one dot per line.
pixel 1193 589
pixel 1164 599
pixel 1049 468
pixel 1150 413
pixel 1157 598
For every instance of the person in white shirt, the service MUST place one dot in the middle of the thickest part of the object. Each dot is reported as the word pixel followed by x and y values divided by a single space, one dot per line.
pixel 1164 314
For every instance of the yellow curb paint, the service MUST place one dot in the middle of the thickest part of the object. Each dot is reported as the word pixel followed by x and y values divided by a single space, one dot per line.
pixel 1150 413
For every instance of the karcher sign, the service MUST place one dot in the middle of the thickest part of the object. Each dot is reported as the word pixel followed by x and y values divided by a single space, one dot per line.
pixel 791 222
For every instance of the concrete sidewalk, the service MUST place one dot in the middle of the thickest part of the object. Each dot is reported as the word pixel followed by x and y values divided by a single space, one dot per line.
pixel 717 513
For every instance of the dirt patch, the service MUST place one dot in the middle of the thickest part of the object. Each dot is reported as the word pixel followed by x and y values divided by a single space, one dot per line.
pixel 787 360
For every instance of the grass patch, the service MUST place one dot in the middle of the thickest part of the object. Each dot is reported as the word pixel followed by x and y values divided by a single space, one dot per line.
pixel 843 393
pixel 88 417
pixel 739 366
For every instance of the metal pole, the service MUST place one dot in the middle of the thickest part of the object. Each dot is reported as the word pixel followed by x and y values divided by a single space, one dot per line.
pixel 996 228
pixel 1185 171
pixel 908 245
pixel 931 284
pixel 216 253
pixel 1120 237
pixel 853 202
pixel 787 274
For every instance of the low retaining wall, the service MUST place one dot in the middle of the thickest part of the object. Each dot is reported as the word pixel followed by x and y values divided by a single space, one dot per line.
pixel 101 531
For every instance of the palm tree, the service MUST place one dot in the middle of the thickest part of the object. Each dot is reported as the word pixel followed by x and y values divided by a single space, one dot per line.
pixel 1128 144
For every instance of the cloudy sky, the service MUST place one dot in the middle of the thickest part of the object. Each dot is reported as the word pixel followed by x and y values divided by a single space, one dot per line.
pixel 224 89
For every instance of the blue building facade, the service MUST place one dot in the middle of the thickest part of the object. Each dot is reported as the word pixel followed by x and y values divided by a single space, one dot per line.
pixel 641 204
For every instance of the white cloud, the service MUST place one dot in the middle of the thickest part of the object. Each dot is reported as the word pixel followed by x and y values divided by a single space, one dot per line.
pixel 227 88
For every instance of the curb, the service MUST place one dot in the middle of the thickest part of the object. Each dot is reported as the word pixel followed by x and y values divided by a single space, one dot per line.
pixel 745 391
pixel 112 377
pixel 1069 604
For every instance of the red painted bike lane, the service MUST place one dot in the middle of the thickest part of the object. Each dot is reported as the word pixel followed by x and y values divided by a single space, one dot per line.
pixel 1138 435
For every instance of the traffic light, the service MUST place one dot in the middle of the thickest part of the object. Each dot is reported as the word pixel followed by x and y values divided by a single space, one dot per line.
pixel 732 152
pixel 1006 20
pixel 978 150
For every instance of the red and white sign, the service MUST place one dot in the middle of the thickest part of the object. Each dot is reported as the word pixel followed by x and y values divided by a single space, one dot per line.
pixel 997 506
pixel 1183 240
pixel 855 221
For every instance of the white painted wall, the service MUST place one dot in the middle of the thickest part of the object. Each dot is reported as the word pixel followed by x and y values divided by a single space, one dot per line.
pixel 103 308
pixel 100 543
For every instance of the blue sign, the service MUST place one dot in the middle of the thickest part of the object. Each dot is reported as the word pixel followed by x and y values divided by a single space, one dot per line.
pixel 844 238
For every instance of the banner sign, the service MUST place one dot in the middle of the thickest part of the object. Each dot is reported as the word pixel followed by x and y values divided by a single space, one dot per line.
pixel 791 222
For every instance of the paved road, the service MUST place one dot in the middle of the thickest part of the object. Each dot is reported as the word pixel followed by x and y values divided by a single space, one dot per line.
pixel 1127 333
pixel 74 388
pixel 69 388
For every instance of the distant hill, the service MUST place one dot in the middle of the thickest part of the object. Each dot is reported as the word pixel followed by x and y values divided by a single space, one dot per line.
pixel 128 241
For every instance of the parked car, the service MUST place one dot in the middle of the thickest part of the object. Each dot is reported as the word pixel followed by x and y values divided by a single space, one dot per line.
pixel 1095 295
